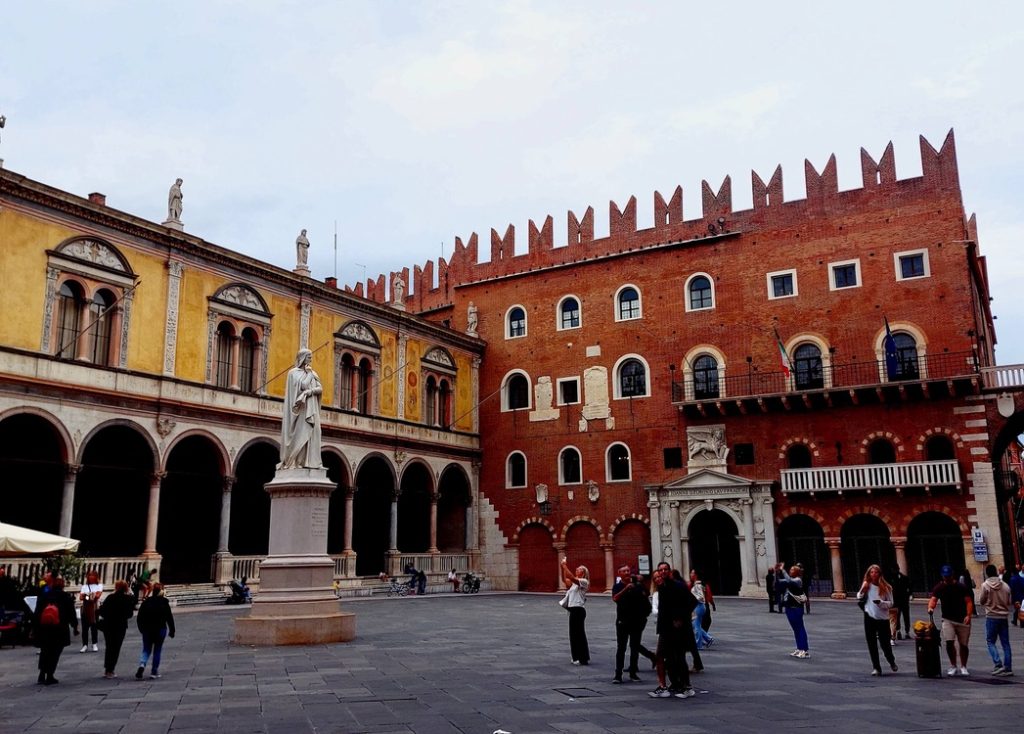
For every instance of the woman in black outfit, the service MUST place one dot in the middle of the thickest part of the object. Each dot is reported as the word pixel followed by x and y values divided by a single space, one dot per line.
pixel 53 636
pixel 115 611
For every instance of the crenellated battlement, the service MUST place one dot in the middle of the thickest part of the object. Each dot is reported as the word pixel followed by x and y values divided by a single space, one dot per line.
pixel 822 196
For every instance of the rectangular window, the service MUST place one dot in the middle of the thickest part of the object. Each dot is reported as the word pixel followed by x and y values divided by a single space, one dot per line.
pixel 912 264
pixel 844 274
pixel 673 457
pixel 744 454
pixel 569 391
pixel 781 284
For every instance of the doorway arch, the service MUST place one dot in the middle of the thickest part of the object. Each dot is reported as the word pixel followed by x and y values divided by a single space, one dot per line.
pixel 802 540
pixel 190 505
pixel 32 467
pixel 538 559
pixel 414 509
pixel 250 503
pixel 452 504
pixel 371 515
pixel 715 551
pixel 864 541
pixel 583 548
pixel 933 540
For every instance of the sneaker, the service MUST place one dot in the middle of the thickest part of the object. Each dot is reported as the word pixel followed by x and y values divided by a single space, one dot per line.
pixel 85 648
pixel 617 680
pixel 1005 673
pixel 634 678
pixel 575 662
pixel 141 670
pixel 996 670
pixel 154 674
pixel 795 654
pixel 109 676
pixel 688 693
pixel 660 692
pixel 876 672
pixel 892 643
pixel 95 647
pixel 895 668
pixel 964 672
pixel 709 643
pixel 951 672
pixel 696 670
pixel 804 654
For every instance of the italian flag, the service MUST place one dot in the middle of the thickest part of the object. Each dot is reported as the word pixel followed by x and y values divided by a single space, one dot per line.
pixel 787 367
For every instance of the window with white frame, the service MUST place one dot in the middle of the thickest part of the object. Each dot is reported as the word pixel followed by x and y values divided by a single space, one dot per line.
pixel 570 468
pixel 569 313
pixel 439 374
pixel 627 304
pixel 237 342
pixel 515 323
pixel 568 390
pixel 515 470
pixel 516 393
pixel 700 292
pixel 631 378
pixel 705 377
pixel 618 468
pixel 782 284
pixel 356 364
pixel 845 274
pixel 912 264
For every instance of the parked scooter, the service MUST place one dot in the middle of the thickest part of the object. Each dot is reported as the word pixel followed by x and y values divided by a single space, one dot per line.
pixel 470 583
pixel 240 593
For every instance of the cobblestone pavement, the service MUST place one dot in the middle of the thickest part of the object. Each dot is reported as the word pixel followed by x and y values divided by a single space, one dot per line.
pixel 476 664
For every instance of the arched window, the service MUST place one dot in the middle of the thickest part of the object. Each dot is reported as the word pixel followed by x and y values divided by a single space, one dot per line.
pixel 430 403
pixel 346 380
pixel 247 360
pixel 224 346
pixel 569 469
pixel 444 404
pixel 628 304
pixel 618 469
pixel 905 366
pixel 70 302
pixel 699 293
pixel 516 322
pixel 363 386
pixel 569 313
pixel 705 377
pixel 632 379
pixel 515 470
pixel 798 456
pixel 881 451
pixel 807 363
pixel 939 448
pixel 518 390
pixel 101 316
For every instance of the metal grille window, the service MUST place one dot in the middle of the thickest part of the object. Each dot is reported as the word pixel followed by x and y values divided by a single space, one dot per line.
pixel 100 316
pixel 570 313
pixel 68 320
pixel 225 337
pixel 629 304
pixel 705 377
pixel 700 293
pixel 809 371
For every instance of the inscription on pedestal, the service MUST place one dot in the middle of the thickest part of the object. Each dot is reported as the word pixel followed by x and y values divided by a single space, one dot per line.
pixel 318 522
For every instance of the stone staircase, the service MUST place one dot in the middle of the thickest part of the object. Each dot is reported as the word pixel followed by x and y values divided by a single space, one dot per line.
pixel 194 595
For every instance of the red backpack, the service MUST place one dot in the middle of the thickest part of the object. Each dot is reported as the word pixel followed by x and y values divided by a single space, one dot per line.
pixel 50 616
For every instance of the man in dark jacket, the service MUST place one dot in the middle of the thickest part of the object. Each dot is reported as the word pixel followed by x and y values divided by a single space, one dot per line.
pixel 632 608
pixel 53 621
pixel 115 611
pixel 901 603
pixel 675 605
pixel 155 622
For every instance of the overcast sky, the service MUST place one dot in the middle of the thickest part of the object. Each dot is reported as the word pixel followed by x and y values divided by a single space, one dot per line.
pixel 413 124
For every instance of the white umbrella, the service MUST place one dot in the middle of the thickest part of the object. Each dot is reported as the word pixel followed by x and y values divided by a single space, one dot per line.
pixel 17 541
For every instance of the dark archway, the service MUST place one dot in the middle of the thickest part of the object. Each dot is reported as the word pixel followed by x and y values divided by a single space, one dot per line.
pixel 190 504
pixel 583 548
pixel 801 540
pixel 715 551
pixel 451 511
pixel 112 493
pixel 538 559
pixel 250 503
pixel 336 508
pixel 414 510
pixel 632 540
pixel 371 515
pixel 31 473
pixel 933 540
pixel 864 541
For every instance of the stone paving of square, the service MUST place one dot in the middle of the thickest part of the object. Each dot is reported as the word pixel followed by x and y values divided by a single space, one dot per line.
pixel 448 663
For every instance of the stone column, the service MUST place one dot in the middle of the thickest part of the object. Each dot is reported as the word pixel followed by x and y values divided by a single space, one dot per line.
pixel 900 546
pixel 559 552
pixel 473 511
pixel 652 510
pixel 67 502
pixel 677 560
pixel 434 497
pixel 81 348
pixel 609 564
pixel 749 545
pixel 153 518
pixel 393 535
pixel 475 394
pixel 236 353
pixel 350 495
pixel 838 589
pixel 770 545
pixel 225 514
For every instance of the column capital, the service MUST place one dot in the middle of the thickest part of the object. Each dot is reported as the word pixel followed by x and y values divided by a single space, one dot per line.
pixel 228 483
pixel 833 543
pixel 350 491
pixel 72 469
pixel 158 476
pixel 435 496
pixel 898 540
pixel 396 493
pixel 559 546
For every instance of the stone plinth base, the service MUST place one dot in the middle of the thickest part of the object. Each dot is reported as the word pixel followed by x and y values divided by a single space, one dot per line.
pixel 314 629
pixel 174 224
pixel 301 270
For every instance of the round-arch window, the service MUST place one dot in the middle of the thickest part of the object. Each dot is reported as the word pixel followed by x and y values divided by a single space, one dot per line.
pixel 632 379
pixel 700 293
pixel 570 466
pixel 705 377
pixel 518 392
pixel 517 470
pixel 809 371
pixel 881 451
pixel 570 313
pixel 799 456
pixel 629 304
pixel 618 463
pixel 939 448
pixel 904 366
pixel 516 322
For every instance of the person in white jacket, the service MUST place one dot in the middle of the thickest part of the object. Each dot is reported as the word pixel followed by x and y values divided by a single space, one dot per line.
pixel 875 598
pixel 995 597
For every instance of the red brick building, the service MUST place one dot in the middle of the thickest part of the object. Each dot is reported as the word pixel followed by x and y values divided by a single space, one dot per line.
pixel 806 380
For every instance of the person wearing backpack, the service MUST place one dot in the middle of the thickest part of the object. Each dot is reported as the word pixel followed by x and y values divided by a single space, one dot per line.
pixel 53 621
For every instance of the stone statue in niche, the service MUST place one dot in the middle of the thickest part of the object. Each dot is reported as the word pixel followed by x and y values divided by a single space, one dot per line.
pixel 593 491
pixel 471 319
pixel 300 426
pixel 542 493
pixel 707 443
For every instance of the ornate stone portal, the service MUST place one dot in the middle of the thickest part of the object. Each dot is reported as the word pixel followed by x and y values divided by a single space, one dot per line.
pixel 748 503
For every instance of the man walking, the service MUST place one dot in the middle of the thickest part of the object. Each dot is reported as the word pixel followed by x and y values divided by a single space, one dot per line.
pixel 901 603
pixel 995 597
pixel 674 610
pixel 957 608
pixel 632 607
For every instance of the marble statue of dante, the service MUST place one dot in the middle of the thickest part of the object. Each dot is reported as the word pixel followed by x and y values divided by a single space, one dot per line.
pixel 301 249
pixel 174 202
pixel 300 427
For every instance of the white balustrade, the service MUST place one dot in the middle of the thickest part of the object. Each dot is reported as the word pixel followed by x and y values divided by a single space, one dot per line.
pixel 1003 376
pixel 902 475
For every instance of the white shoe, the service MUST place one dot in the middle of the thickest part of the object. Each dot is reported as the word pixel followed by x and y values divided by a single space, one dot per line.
pixel 95 648
pixel 795 654
pixel 804 654
pixel 85 648
pixel 951 672
pixel 964 672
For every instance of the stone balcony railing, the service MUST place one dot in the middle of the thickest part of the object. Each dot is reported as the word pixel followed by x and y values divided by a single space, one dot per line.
pixel 868 477
pixel 1003 377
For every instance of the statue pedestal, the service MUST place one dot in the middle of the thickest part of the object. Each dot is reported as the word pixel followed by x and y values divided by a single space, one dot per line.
pixel 302 270
pixel 175 224
pixel 296 603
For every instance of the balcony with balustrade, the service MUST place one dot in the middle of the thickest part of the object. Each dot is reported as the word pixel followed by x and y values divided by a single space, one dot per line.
pixel 925 476
pixel 712 394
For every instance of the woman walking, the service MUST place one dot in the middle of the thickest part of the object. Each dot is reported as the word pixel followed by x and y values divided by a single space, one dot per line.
pixel 576 595
pixel 875 598
pixel 115 611
pixel 700 633
pixel 155 622
pixel 793 599
pixel 53 621
pixel 89 595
